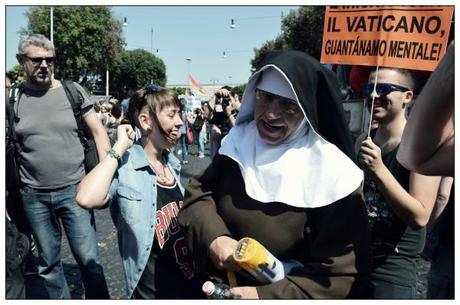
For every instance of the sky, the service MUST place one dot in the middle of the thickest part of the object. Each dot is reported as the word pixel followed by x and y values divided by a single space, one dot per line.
pixel 200 33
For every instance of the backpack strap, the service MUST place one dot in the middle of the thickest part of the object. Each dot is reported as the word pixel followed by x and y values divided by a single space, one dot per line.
pixel 76 100
pixel 14 95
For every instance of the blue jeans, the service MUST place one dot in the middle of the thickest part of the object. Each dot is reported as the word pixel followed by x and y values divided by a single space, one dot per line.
pixel 44 209
pixel 378 289
pixel 201 139
pixel 183 141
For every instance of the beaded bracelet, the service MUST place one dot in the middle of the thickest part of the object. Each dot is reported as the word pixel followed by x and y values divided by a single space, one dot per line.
pixel 114 154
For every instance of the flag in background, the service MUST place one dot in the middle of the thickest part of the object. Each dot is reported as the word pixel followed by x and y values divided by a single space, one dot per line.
pixel 188 92
pixel 196 88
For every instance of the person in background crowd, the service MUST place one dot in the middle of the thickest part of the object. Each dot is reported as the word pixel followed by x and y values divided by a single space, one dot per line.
pixel 124 106
pixel 399 202
pixel 140 181
pixel 51 167
pixel 114 119
pixel 113 101
pixel 207 114
pixel 8 83
pixel 182 146
pixel 17 243
pixel 219 118
pixel 13 202
pixel 272 181
pixel 105 113
pixel 199 131
pixel 359 75
pixel 233 108
pixel 429 148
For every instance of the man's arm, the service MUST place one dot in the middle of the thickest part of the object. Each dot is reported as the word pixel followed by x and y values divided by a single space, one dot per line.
pixel 413 206
pixel 427 145
pixel 98 131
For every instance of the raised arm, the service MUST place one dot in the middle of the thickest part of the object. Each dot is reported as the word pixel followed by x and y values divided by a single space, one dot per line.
pixel 427 145
pixel 413 206
pixel 99 133
pixel 93 189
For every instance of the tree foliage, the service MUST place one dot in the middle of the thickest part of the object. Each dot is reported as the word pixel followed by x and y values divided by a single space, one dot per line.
pixel 86 38
pixel 239 90
pixel 178 90
pixel 279 43
pixel 302 30
pixel 134 69
pixel 17 72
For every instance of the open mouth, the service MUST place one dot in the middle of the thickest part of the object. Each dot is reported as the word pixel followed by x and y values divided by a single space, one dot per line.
pixel 272 128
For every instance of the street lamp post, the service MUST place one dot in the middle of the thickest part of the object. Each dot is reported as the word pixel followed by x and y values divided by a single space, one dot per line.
pixel 107 82
pixel 125 24
pixel 151 41
pixel 188 59
pixel 51 25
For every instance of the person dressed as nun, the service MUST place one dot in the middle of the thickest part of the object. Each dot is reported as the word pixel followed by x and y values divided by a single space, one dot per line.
pixel 285 176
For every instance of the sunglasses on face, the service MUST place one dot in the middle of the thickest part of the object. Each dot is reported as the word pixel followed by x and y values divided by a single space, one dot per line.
pixel 39 60
pixel 382 89
pixel 288 106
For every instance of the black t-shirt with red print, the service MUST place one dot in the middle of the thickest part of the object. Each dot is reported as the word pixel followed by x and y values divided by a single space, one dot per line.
pixel 169 273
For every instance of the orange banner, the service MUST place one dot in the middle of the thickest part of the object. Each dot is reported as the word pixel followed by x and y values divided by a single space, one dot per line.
pixel 410 37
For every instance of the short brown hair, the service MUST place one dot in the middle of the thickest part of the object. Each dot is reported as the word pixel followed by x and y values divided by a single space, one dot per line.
pixel 155 100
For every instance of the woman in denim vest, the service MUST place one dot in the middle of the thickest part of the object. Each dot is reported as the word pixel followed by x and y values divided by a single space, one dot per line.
pixel 140 182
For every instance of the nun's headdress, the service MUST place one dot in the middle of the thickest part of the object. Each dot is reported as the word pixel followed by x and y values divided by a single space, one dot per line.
pixel 315 166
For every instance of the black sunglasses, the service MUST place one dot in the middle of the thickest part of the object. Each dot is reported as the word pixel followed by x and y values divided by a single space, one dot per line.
pixel 39 60
pixel 382 89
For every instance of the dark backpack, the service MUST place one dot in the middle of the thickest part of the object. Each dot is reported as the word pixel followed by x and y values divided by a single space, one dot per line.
pixel 12 152
pixel 198 124
pixel 86 139
pixel 17 247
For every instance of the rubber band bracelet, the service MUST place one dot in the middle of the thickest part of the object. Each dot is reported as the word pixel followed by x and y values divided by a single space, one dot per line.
pixel 114 154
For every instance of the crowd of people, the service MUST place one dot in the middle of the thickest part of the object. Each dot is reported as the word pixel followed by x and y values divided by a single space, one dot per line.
pixel 284 171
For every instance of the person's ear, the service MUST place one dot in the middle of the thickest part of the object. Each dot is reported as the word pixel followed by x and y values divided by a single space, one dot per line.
pixel 145 121
pixel 407 97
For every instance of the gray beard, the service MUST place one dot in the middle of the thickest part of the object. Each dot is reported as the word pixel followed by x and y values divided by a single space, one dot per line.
pixel 42 82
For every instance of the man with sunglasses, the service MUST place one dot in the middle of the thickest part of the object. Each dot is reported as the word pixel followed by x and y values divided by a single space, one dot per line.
pixel 398 202
pixel 51 167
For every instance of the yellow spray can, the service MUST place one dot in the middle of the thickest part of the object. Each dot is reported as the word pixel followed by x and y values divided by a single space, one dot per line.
pixel 258 261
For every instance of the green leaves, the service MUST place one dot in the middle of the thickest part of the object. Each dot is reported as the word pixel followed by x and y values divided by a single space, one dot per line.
pixel 17 72
pixel 302 30
pixel 86 38
pixel 134 69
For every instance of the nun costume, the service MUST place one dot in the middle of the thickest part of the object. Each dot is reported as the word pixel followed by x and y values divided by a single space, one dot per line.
pixel 298 195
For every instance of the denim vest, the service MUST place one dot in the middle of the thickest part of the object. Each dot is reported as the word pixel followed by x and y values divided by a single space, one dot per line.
pixel 133 196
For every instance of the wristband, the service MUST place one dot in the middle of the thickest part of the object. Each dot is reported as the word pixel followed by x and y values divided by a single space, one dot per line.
pixel 114 154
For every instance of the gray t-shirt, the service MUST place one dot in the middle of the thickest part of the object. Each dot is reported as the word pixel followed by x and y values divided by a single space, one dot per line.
pixel 52 155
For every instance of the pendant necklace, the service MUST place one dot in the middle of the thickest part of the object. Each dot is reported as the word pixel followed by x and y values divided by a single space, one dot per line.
pixel 162 177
